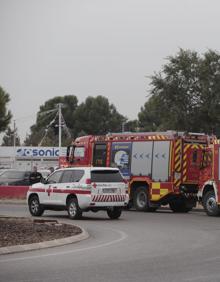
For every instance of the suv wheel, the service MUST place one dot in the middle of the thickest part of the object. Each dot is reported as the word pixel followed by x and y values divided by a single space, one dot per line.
pixel 114 212
pixel 35 207
pixel 73 209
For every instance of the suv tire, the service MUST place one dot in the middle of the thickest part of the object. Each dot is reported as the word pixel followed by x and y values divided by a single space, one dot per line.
pixel 73 209
pixel 35 207
pixel 114 212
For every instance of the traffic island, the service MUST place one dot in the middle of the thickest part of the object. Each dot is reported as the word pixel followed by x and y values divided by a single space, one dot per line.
pixel 25 234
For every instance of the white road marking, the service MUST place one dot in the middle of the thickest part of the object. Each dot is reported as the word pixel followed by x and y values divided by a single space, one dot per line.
pixel 212 259
pixel 122 237
pixel 203 278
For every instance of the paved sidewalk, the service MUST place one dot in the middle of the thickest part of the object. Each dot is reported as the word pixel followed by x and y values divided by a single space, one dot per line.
pixel 13 201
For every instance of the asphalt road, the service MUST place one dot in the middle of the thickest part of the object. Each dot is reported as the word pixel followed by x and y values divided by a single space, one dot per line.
pixel 154 247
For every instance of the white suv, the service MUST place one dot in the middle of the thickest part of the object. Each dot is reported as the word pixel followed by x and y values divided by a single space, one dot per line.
pixel 80 189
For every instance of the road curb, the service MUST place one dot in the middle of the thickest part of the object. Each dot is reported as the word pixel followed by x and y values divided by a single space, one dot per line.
pixel 46 244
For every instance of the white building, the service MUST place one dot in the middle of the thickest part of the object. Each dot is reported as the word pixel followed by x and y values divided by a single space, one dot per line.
pixel 25 158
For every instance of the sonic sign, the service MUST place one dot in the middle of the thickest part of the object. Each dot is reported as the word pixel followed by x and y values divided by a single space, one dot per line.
pixel 37 152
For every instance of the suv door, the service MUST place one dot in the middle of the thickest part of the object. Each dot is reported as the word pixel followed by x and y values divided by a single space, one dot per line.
pixel 52 187
pixel 66 185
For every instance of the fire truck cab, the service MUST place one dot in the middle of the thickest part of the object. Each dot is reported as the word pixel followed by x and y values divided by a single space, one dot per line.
pixel 161 167
pixel 209 186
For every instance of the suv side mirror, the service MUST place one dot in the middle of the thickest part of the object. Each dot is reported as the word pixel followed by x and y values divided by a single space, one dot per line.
pixel 44 181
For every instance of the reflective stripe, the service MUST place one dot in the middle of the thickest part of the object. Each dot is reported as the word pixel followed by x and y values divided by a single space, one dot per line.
pixel 108 198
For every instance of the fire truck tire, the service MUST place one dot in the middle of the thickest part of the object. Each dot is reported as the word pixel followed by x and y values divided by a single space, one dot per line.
pixel 114 212
pixel 73 209
pixel 34 206
pixel 141 201
pixel 180 206
pixel 210 205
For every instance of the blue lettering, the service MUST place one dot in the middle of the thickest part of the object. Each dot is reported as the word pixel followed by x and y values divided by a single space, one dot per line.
pixel 41 153
pixel 48 153
pixel 35 153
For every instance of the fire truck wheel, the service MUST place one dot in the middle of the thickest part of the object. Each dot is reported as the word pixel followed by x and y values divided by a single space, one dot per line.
pixel 73 209
pixel 141 202
pixel 114 212
pixel 210 205
pixel 180 206
pixel 34 206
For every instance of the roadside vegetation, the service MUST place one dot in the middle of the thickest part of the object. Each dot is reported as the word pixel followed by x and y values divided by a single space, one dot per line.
pixel 183 95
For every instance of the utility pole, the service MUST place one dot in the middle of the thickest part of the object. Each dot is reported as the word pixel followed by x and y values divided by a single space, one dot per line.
pixel 123 127
pixel 60 125
pixel 14 135
pixel 14 144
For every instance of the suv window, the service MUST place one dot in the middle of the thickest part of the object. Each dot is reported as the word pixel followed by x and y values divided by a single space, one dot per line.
pixel 55 177
pixel 77 175
pixel 106 176
pixel 71 176
pixel 67 176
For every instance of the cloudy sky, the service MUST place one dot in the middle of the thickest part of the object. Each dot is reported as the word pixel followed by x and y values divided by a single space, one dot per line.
pixel 87 48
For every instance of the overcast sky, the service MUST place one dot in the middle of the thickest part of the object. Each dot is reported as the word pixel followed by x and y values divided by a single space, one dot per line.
pixel 87 48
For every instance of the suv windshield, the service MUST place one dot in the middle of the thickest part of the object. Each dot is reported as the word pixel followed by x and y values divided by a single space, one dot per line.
pixel 106 176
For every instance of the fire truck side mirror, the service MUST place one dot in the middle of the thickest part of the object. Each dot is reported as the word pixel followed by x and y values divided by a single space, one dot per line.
pixel 70 153
pixel 67 153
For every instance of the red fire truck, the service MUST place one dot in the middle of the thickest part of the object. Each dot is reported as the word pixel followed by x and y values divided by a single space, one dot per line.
pixel 161 167
pixel 209 180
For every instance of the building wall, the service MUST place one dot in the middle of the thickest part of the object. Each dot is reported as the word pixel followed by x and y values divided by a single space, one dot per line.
pixel 26 157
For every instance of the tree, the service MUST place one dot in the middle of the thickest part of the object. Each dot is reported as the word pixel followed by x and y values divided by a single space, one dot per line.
pixel 44 132
pixel 185 95
pixel 131 126
pixel 5 115
pixel 8 138
pixel 97 116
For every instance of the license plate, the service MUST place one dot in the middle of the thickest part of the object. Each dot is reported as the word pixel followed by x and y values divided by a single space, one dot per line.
pixel 109 190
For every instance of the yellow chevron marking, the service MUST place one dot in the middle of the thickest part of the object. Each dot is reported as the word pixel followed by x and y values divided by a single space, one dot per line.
pixel 177 158
pixel 186 146
pixel 177 182
pixel 177 165
pixel 184 157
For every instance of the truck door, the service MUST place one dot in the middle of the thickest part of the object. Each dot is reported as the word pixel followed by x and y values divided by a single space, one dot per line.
pixel 161 161
pixel 99 154
pixel 141 158
pixel 192 157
